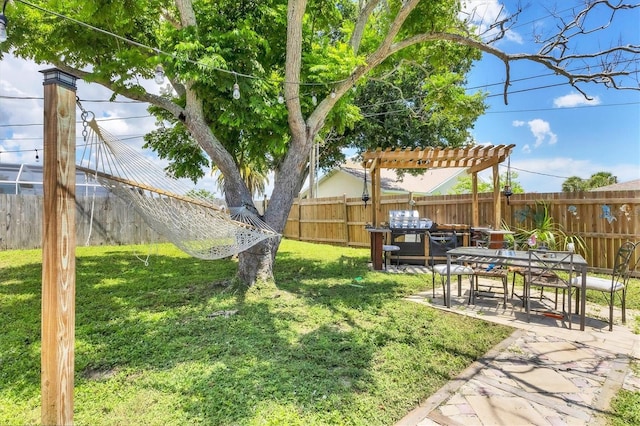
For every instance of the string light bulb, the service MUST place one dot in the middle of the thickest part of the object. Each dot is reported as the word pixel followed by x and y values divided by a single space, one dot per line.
pixel 314 99
pixel 159 75
pixel 333 94
pixel 236 88
pixel 280 99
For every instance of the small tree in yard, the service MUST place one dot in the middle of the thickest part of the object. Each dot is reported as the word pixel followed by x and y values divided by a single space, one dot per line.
pixel 301 50
pixel 464 185
pixel 597 180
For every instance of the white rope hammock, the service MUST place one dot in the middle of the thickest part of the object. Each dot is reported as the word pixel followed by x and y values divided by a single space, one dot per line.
pixel 193 224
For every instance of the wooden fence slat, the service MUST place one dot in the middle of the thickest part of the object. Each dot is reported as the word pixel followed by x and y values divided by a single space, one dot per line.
pixel 576 213
pixel 341 221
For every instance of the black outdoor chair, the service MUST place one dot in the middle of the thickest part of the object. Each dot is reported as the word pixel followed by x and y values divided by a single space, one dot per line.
pixel 617 284
pixel 550 269
pixel 439 244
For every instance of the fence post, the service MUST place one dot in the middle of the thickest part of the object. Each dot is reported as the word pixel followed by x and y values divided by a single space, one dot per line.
pixel 345 214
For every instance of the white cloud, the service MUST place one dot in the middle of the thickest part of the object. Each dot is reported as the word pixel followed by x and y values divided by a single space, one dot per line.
pixel 514 36
pixel 484 13
pixel 20 79
pixel 573 100
pixel 548 174
pixel 526 149
pixel 518 123
pixel 542 132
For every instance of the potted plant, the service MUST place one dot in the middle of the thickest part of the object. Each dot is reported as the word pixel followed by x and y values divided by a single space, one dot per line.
pixel 546 233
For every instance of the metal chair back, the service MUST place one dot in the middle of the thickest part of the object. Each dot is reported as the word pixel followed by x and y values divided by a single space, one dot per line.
pixel 621 271
pixel 440 244
pixel 552 269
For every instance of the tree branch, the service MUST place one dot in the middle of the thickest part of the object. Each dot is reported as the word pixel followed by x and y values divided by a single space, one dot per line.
pixel 610 65
pixel 380 54
pixel 295 15
pixel 131 93
pixel 361 23
pixel 187 14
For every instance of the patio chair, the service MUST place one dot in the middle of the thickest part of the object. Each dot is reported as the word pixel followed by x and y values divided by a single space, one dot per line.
pixel 439 244
pixel 550 269
pixel 387 249
pixel 522 272
pixel 489 271
pixel 618 282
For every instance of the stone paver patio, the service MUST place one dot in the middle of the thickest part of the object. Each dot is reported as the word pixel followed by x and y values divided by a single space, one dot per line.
pixel 543 374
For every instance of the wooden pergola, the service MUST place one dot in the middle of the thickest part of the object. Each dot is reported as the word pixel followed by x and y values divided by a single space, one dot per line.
pixel 475 159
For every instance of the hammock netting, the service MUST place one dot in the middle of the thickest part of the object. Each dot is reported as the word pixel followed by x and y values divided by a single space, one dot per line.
pixel 195 225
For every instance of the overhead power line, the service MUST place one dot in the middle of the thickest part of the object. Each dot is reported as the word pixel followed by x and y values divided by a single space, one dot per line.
pixel 133 137
pixel 564 108
pixel 158 51
pixel 41 98
pixel 121 137
pixel 80 122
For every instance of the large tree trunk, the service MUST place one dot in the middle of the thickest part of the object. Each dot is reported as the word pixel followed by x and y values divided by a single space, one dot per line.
pixel 256 264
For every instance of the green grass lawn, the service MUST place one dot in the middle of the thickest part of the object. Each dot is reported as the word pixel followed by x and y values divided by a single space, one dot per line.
pixel 626 404
pixel 335 344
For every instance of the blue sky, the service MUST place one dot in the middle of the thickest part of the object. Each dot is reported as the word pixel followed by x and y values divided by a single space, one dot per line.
pixel 557 132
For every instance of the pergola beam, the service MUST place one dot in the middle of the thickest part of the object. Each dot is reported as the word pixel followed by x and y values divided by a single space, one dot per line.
pixel 474 159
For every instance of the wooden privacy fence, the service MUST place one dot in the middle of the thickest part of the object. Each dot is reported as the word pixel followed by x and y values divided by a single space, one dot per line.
pixel 114 222
pixel 603 219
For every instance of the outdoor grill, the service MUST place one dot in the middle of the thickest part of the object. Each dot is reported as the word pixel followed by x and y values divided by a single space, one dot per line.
pixel 405 220
pixel 408 231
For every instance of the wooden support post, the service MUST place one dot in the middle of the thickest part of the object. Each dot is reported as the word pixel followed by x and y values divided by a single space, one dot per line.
pixel 312 173
pixel 345 214
pixel 58 248
pixel 375 193
pixel 299 219
pixel 475 209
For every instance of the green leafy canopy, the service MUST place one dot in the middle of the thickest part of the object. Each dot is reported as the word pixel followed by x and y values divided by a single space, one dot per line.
pixel 244 43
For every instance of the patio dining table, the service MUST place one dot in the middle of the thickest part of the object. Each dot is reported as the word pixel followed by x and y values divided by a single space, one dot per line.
pixel 518 258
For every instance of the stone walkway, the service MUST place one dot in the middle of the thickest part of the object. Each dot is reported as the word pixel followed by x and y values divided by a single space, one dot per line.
pixel 543 374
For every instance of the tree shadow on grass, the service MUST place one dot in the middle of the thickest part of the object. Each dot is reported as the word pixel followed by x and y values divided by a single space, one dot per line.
pixel 314 347
pixel 132 319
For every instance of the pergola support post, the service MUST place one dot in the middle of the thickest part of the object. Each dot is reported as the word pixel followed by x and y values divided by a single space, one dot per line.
pixel 375 194
pixel 475 210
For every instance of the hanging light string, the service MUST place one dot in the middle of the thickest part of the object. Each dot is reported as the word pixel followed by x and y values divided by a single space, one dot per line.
pixel 236 88
pixel 367 191
pixel 159 71
pixel 158 51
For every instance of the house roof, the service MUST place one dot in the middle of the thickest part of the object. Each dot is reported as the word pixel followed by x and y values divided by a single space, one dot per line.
pixel 623 186
pixel 426 183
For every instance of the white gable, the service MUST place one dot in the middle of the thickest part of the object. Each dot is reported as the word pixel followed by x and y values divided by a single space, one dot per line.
pixel 348 180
